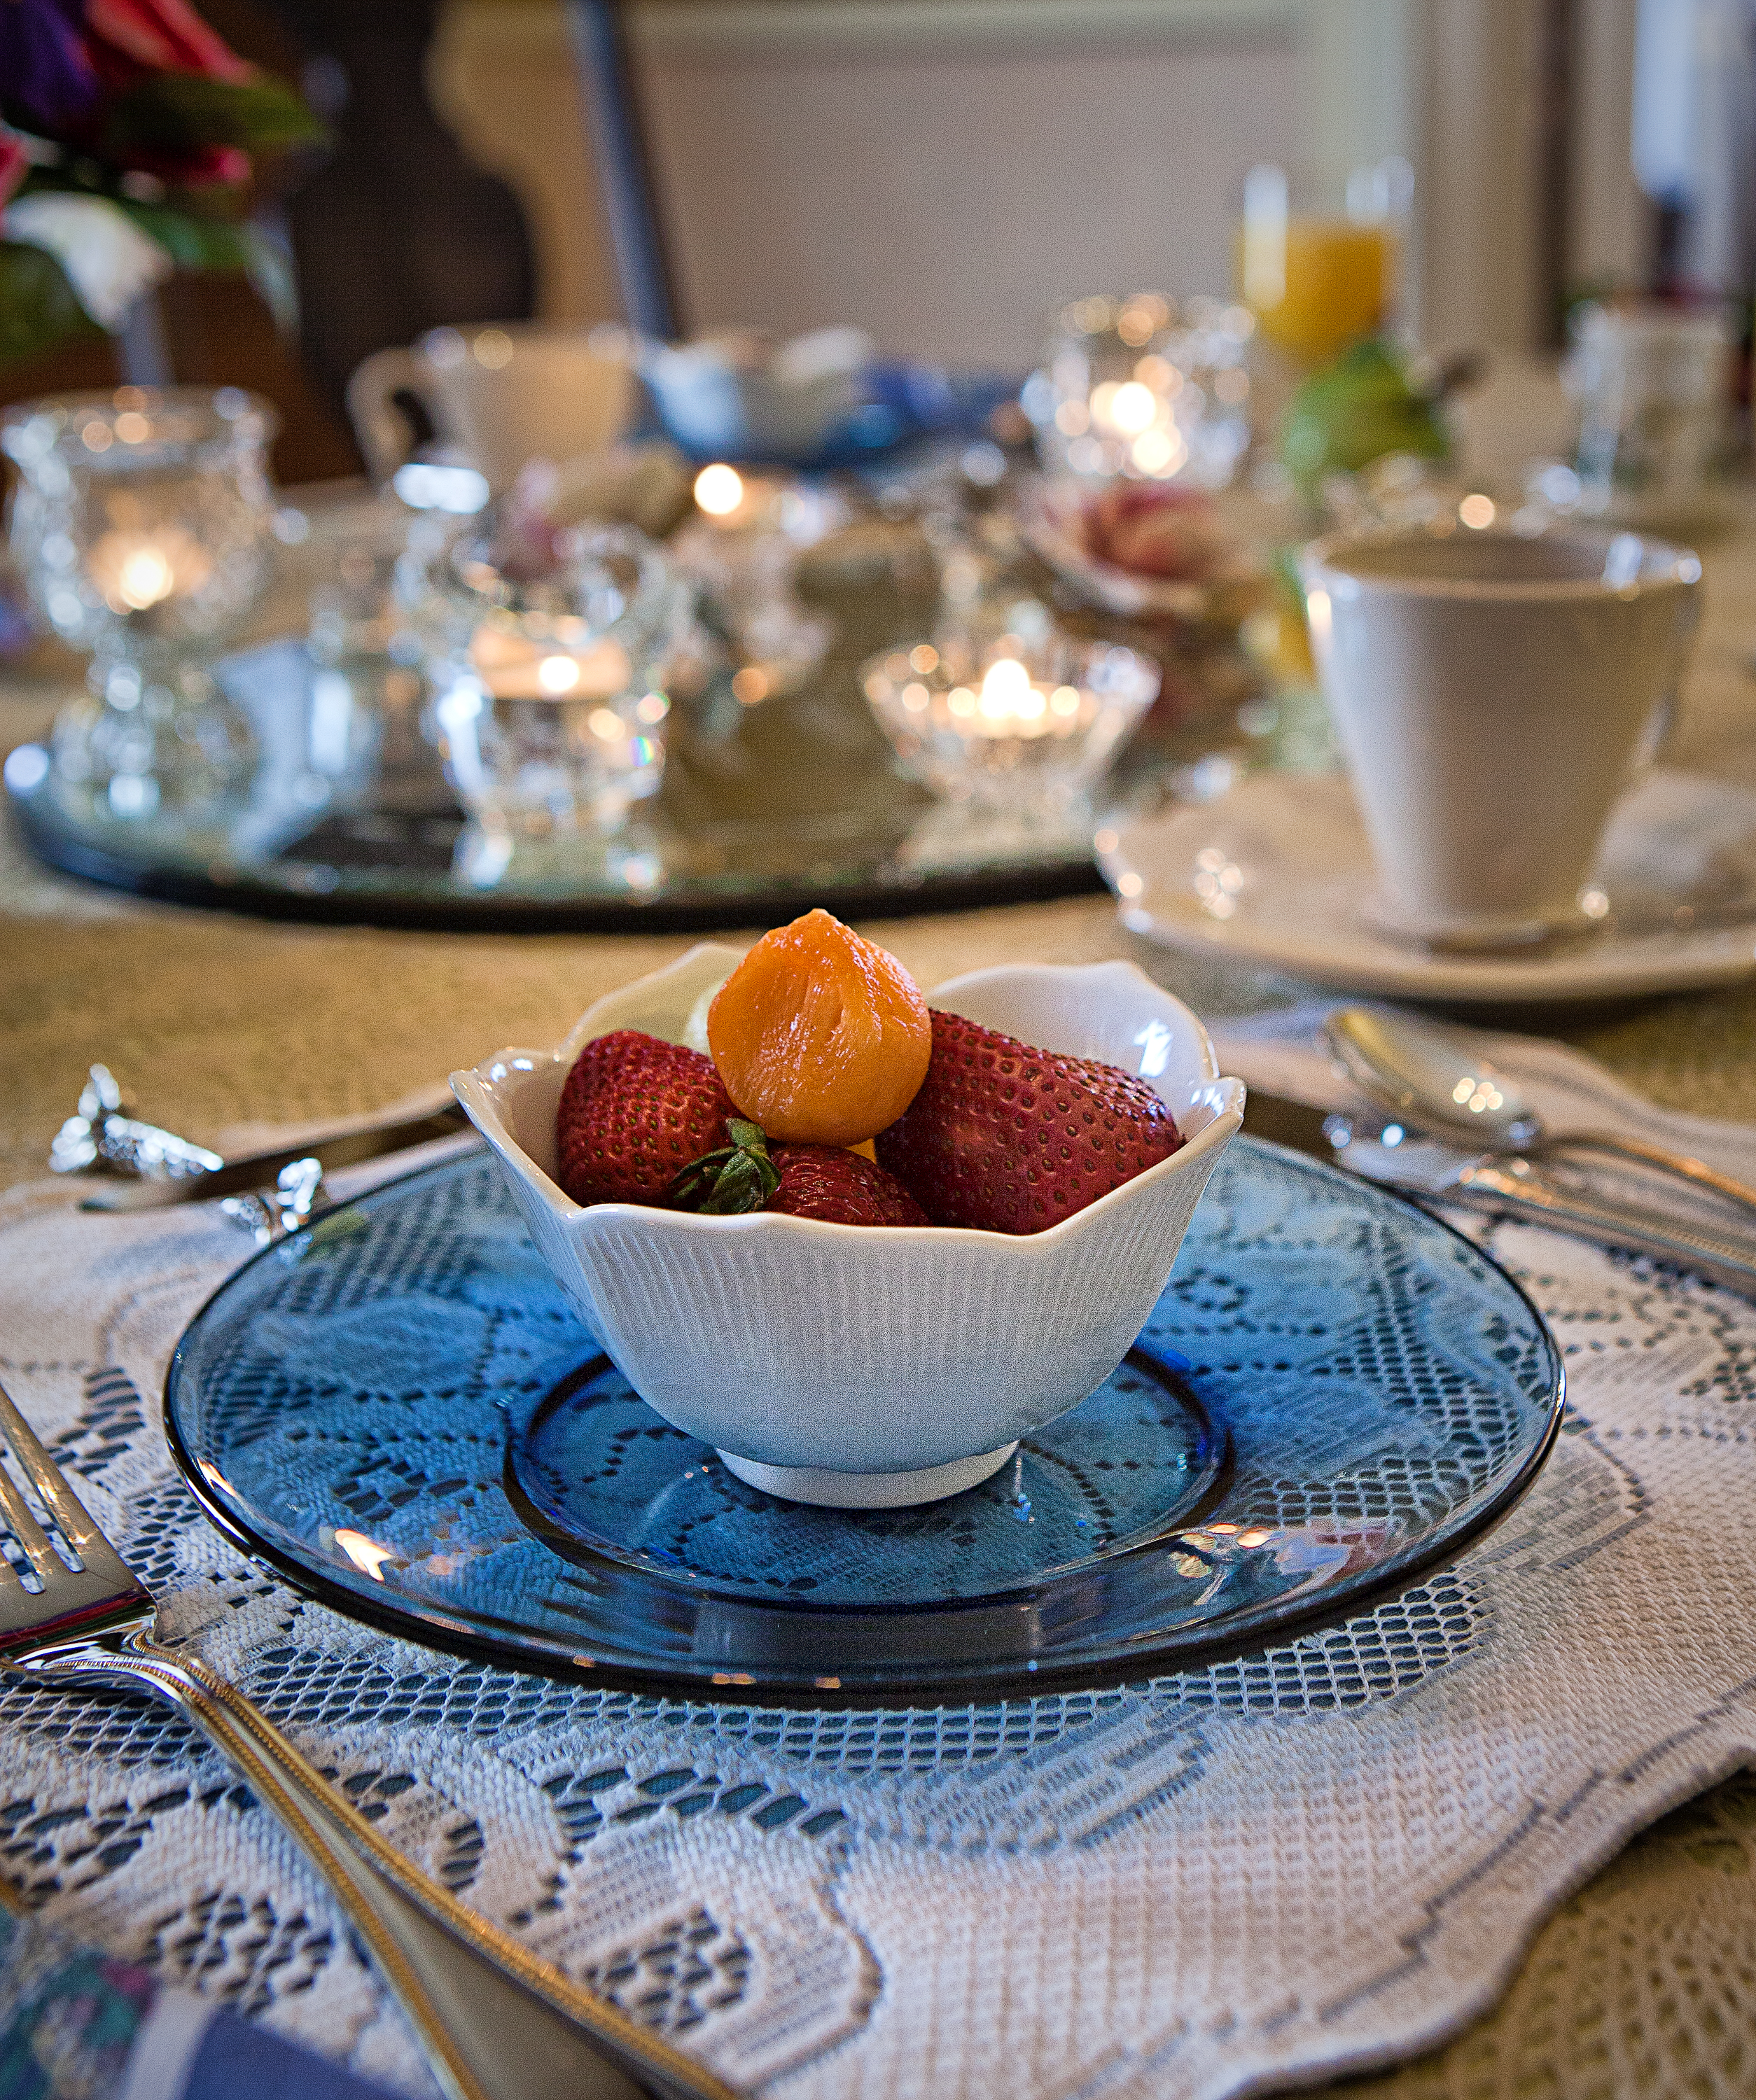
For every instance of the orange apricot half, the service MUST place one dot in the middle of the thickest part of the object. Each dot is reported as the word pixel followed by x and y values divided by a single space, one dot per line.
pixel 821 1038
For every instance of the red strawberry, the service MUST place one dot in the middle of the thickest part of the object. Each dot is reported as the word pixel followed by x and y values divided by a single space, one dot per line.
pixel 1013 1139
pixel 634 1111
pixel 840 1188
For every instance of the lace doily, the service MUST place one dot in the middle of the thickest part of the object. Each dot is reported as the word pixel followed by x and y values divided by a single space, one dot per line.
pixel 1316 1858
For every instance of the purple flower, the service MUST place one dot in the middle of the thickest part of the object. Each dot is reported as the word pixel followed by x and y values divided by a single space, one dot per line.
pixel 47 82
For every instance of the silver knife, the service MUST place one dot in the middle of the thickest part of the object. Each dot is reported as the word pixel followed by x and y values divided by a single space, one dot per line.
pixel 258 1169
pixel 1433 1173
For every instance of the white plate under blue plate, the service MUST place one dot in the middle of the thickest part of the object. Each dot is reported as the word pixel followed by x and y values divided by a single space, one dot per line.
pixel 1276 876
pixel 396 1409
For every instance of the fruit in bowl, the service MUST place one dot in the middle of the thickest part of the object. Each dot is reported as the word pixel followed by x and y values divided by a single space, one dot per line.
pixel 856 1331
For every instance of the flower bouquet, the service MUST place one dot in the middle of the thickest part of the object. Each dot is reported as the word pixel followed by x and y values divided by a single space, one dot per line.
pixel 127 129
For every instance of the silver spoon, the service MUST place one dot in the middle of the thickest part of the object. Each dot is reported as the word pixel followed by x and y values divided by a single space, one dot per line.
pixel 1438 1078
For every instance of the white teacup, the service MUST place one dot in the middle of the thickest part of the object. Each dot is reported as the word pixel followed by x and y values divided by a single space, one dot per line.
pixel 503 394
pixel 1493 694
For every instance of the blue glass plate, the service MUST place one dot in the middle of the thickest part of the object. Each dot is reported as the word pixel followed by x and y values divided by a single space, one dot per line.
pixel 397 1409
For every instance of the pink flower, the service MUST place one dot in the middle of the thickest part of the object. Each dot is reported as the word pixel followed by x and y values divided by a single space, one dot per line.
pixel 202 167
pixel 15 165
pixel 127 38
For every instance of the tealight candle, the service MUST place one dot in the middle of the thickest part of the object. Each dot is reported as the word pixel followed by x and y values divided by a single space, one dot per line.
pixel 1039 724
pixel 1008 703
pixel 732 501
pixel 1144 387
pixel 137 569
pixel 519 667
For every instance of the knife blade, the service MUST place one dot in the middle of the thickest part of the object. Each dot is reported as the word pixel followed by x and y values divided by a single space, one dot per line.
pixel 1506 1186
pixel 258 1170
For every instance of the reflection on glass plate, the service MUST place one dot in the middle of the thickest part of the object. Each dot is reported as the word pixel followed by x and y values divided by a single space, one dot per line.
pixel 397 1408
pixel 764 811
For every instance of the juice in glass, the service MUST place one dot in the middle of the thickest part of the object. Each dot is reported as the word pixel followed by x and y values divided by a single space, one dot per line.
pixel 1318 279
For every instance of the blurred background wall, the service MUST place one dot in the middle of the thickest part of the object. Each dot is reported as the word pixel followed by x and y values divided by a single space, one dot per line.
pixel 948 171
pixel 945 175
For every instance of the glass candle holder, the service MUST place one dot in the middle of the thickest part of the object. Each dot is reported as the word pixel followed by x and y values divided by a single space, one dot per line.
pixel 141 521
pixel 1018 723
pixel 1145 386
pixel 1654 388
pixel 742 549
pixel 547 702
pixel 364 744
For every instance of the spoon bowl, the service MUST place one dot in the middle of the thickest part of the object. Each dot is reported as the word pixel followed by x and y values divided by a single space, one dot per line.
pixel 1438 1079
pixel 1433 1074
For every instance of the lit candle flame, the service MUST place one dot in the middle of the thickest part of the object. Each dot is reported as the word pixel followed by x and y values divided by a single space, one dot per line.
pixel 137 570
pixel 515 668
pixel 145 577
pixel 719 489
pixel 557 674
pixel 1134 408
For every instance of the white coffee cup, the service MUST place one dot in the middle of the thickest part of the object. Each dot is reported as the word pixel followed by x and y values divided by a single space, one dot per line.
pixel 501 395
pixel 1493 694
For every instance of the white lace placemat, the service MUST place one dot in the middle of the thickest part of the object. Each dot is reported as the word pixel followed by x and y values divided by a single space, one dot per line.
pixel 1313 1859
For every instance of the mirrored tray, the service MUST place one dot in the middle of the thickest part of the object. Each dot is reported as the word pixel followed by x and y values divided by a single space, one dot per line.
pixel 396 1409
pixel 764 813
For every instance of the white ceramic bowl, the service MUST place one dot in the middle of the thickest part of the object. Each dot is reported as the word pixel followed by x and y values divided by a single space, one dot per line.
pixel 715 397
pixel 851 1366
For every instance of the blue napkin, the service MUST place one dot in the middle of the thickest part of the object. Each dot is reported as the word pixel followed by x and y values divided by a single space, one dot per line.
pixel 75 2025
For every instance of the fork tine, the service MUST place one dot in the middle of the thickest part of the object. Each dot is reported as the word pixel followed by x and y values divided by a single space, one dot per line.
pixel 26 1528
pixel 51 1483
pixel 76 1522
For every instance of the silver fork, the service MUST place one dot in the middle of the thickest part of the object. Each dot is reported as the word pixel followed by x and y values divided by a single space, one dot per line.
pixel 495 2023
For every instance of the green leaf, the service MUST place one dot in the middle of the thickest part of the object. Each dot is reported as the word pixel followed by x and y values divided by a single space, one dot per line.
pixel 230 247
pixel 37 308
pixel 192 242
pixel 179 111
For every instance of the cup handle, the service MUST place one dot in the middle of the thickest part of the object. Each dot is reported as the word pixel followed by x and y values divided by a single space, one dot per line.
pixel 379 425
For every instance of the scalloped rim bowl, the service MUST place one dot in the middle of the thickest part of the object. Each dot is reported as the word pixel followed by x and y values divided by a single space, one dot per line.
pixel 847 1364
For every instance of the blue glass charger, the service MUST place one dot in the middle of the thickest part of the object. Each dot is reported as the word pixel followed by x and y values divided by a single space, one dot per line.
pixel 397 1409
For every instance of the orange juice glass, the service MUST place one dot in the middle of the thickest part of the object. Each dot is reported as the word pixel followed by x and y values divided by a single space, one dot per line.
pixel 1318 279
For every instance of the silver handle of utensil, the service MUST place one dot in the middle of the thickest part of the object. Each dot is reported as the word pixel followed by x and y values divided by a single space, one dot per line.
pixel 1681 1164
pixel 1488 1184
pixel 498 2024
pixel 258 1170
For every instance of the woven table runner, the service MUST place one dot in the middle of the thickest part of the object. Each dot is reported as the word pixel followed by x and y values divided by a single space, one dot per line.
pixel 1323 1856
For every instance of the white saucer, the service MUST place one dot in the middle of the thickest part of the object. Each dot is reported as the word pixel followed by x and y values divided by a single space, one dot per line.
pixel 1276 876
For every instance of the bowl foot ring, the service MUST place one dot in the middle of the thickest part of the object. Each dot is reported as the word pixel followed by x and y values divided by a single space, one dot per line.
pixel 834 1490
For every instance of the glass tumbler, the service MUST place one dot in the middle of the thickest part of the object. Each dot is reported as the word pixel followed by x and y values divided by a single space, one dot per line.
pixel 141 521
pixel 363 740
pixel 1654 388
pixel 547 703
pixel 1318 259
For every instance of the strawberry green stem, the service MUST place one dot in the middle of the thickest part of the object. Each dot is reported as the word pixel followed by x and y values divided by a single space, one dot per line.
pixel 740 1176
